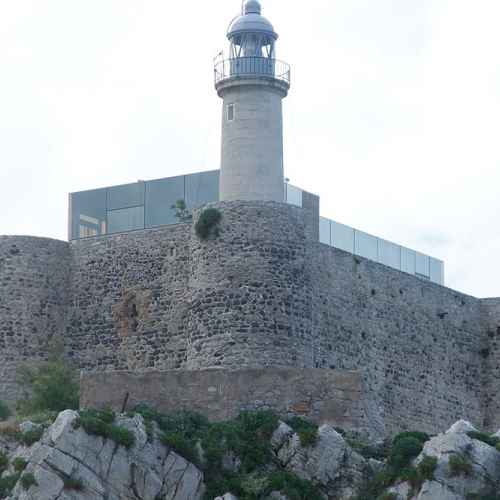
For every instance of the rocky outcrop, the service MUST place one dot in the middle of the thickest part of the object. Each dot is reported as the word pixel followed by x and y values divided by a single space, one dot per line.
pixel 466 468
pixel 69 464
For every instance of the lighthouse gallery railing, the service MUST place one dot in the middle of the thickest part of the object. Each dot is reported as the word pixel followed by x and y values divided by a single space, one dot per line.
pixel 252 66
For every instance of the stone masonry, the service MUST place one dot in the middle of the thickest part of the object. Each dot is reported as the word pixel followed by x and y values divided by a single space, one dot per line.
pixel 264 294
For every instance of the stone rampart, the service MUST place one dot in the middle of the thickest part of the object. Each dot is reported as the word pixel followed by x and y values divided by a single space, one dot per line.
pixel 34 278
pixel 491 358
pixel 325 396
pixel 263 294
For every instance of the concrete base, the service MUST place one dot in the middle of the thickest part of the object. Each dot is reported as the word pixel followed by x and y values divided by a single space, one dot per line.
pixel 325 396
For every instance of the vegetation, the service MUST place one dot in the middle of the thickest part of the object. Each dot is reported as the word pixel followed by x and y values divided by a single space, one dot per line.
pixel 247 438
pixel 403 451
pixel 459 466
pixel 28 480
pixel 181 211
pixel 51 386
pixel 5 412
pixel 29 438
pixel 426 468
pixel 307 431
pixel 4 461
pixel 72 483
pixel 207 225
pixel 19 464
pixel 7 484
pixel 101 423
pixel 485 438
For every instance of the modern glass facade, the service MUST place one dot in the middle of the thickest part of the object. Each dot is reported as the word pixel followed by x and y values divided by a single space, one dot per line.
pixel 370 247
pixel 141 205
pixel 149 204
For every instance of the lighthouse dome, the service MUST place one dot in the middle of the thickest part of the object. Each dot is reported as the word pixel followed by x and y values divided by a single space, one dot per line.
pixel 252 21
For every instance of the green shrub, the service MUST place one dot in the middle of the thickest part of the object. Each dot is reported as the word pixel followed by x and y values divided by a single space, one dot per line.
pixel 207 224
pixel 293 487
pixel 388 496
pixel 19 464
pixel 4 461
pixel 5 412
pixel 427 467
pixel 459 466
pixel 72 483
pixel 29 438
pixel 99 423
pixel 403 451
pixel 182 445
pixel 28 480
pixel 7 484
pixel 52 386
pixel 485 438
pixel 419 436
pixel 307 431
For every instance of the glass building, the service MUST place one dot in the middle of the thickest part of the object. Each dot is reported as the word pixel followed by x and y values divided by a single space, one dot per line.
pixel 149 204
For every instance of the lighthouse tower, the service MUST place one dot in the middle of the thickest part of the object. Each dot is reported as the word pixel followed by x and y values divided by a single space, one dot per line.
pixel 252 84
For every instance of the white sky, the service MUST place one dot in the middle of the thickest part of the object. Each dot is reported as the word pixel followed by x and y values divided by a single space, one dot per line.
pixel 393 117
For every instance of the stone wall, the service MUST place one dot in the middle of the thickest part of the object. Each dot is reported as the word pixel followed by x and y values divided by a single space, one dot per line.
pixel 325 396
pixel 129 300
pixel 34 274
pixel 417 343
pixel 491 356
pixel 250 290
pixel 263 294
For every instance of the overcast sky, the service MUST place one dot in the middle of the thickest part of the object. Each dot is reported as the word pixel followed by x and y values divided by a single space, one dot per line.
pixel 393 117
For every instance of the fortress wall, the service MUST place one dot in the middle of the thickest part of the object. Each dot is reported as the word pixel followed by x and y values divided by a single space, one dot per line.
pixel 418 343
pixel 129 300
pixel 34 277
pixel 251 291
pixel 491 356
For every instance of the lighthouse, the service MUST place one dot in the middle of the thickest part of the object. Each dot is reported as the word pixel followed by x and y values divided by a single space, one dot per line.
pixel 252 84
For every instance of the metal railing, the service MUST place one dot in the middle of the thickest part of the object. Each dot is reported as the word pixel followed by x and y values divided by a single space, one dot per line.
pixel 252 66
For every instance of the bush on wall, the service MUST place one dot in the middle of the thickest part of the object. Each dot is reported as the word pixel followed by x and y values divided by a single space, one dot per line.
pixel 207 224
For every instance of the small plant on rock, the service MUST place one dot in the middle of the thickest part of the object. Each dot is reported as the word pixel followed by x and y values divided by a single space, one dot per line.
pixel 207 225
pixel 427 467
pixel 403 451
pixel 5 412
pixel 29 438
pixel 19 464
pixel 307 431
pixel 459 466
pixel 28 480
pixel 73 483
pixel 485 438
pixel 4 461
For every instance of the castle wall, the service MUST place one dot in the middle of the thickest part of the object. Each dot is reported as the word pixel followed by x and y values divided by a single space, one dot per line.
pixel 129 300
pixel 417 343
pixel 34 274
pixel 251 291
pixel 491 356
pixel 331 396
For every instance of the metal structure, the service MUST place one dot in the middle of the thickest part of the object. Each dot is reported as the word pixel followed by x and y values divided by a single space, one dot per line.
pixel 252 83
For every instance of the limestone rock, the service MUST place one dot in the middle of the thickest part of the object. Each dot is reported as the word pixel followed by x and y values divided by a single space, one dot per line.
pixel 29 426
pixel 330 463
pixel 482 461
pixel 227 496
pixel 146 471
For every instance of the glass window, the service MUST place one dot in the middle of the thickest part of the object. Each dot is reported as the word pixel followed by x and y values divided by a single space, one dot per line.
pixel 202 188
pixel 325 231
pixel 437 271
pixel 342 237
pixel 389 254
pixel 129 195
pixel 422 267
pixel 161 197
pixel 126 219
pixel 230 112
pixel 88 214
pixel 366 245
pixel 293 195
pixel 408 260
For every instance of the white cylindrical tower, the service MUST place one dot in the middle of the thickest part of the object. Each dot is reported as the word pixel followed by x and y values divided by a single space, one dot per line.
pixel 252 84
